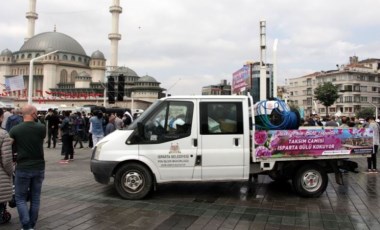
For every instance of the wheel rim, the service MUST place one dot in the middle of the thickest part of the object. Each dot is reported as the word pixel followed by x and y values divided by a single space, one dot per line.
pixel 311 180
pixel 133 182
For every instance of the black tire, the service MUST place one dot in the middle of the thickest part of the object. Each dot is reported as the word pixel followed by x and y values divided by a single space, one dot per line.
pixel 310 181
pixel 133 181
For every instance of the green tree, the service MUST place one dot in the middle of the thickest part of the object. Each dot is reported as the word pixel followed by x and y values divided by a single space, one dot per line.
pixel 327 93
pixel 365 112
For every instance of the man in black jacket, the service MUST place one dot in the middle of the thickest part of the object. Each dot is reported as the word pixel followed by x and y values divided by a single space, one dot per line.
pixel 53 124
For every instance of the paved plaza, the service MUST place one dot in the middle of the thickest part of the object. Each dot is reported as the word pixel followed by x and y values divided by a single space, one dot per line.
pixel 71 199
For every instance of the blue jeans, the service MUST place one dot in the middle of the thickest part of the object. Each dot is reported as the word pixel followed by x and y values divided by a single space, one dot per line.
pixel 28 183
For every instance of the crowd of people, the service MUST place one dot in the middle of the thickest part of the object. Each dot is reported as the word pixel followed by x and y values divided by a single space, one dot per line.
pixel 22 140
pixel 334 121
pixel 350 122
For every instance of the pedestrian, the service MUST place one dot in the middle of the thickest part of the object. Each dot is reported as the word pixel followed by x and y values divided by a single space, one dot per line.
pixel 89 131
pixel 53 124
pixel 6 169
pixel 110 125
pixel 345 123
pixel 119 121
pixel 80 129
pixel 7 113
pixel 30 166
pixel 96 127
pixel 372 124
pixel 68 131
pixel 14 119
pixel 331 122
pixel 127 119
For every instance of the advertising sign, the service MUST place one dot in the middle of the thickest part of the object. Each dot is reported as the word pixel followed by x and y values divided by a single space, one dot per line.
pixel 312 142
pixel 240 79
pixel 14 83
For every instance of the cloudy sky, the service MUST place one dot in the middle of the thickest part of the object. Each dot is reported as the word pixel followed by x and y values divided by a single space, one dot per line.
pixel 187 44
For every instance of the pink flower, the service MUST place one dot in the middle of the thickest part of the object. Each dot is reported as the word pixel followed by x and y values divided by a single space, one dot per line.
pixel 261 137
pixel 261 151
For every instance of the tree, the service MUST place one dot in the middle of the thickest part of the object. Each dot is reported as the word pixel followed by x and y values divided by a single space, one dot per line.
pixel 327 93
pixel 365 112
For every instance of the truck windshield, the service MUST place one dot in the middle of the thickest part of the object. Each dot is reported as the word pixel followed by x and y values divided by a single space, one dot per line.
pixel 144 114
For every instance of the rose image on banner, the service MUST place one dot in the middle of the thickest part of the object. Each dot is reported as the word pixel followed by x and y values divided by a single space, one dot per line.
pixel 261 137
pixel 312 142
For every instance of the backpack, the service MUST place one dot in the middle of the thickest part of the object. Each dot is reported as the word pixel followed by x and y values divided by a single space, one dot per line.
pixel 79 124
pixel 69 127
pixel 72 126
pixel 13 121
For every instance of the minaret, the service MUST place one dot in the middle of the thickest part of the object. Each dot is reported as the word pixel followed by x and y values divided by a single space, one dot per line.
pixel 114 36
pixel 32 17
pixel 263 69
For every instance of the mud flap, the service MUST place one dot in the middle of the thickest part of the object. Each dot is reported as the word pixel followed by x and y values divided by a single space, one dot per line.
pixel 348 165
pixel 339 178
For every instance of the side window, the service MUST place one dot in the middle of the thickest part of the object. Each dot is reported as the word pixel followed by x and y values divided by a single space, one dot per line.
pixel 221 118
pixel 171 121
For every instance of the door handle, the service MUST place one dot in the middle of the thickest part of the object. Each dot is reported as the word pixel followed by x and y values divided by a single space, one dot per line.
pixel 195 142
pixel 236 140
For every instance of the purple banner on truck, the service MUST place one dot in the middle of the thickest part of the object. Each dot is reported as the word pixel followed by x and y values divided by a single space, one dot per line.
pixel 312 142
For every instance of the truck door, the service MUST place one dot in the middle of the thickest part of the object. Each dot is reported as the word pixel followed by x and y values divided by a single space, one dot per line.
pixel 169 140
pixel 221 140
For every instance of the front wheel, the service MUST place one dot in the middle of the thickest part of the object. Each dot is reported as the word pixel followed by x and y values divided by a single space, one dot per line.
pixel 133 181
pixel 310 181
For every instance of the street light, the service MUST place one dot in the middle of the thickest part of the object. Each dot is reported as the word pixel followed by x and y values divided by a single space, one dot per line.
pixel 30 85
pixel 376 110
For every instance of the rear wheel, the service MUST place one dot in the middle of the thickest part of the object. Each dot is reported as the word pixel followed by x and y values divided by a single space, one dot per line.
pixel 133 181
pixel 310 181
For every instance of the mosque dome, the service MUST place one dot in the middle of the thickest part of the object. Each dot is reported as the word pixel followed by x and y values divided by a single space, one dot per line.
pixel 50 41
pixel 125 71
pixel 147 78
pixel 97 55
pixel 6 52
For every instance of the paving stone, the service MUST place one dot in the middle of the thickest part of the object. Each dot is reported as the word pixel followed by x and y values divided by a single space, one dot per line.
pixel 72 199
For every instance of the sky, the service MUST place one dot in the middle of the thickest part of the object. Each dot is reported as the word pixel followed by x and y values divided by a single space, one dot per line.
pixel 187 44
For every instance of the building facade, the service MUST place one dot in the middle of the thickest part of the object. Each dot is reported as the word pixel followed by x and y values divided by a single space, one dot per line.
pixel 247 80
pixel 69 76
pixel 223 88
pixel 358 85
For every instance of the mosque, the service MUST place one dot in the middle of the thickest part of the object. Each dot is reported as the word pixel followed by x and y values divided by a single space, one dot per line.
pixel 64 74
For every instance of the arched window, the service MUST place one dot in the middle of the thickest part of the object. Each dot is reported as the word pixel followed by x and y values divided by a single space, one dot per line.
pixel 37 55
pixel 72 58
pixel 73 75
pixel 80 59
pixel 63 77
pixel 29 56
pixel 22 56
pixel 64 57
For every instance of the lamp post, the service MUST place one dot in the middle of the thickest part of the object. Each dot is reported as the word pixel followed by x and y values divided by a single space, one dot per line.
pixel 30 85
pixel 376 110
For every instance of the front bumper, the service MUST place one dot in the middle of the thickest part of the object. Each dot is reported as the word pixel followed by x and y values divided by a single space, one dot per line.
pixel 102 170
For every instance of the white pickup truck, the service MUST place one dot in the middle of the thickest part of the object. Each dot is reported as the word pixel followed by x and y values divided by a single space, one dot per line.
pixel 213 138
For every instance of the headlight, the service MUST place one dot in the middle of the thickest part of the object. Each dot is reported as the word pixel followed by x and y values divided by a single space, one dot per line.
pixel 98 149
